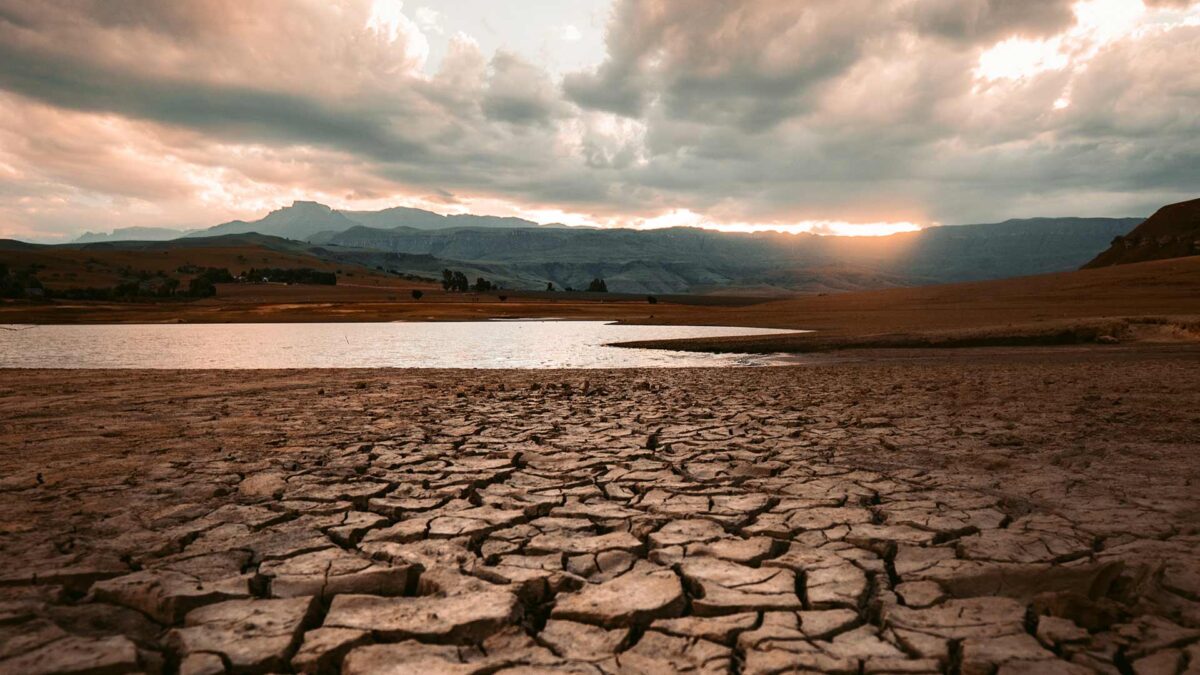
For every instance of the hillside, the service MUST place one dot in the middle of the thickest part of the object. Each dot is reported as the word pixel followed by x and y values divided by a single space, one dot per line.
pixel 153 255
pixel 105 264
pixel 1172 232
pixel 1160 296
pixel 693 260
pixel 1158 287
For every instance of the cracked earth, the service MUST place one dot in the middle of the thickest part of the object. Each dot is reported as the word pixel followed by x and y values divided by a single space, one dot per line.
pixel 993 512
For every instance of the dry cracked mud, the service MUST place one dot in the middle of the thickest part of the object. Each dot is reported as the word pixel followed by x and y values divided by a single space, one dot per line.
pixel 992 512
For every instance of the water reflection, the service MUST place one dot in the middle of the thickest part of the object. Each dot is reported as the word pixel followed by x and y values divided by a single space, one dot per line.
pixel 493 344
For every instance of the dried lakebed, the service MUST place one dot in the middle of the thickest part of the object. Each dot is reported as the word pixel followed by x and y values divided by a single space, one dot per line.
pixel 1011 513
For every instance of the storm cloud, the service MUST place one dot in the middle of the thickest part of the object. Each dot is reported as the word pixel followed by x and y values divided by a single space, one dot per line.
pixel 132 112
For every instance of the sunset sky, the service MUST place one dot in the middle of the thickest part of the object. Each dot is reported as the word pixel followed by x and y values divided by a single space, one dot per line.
pixel 852 116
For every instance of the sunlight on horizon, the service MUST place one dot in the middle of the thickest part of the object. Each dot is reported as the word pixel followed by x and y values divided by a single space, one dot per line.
pixel 825 227
pixel 501 208
pixel 687 218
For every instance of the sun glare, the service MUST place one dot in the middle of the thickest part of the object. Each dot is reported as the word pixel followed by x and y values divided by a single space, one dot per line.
pixel 687 218
pixel 1097 24
pixel 825 227
pixel 387 18
pixel 1016 58
pixel 388 21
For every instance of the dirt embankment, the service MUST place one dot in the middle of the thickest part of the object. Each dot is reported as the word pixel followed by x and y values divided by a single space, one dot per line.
pixel 1149 330
pixel 1155 301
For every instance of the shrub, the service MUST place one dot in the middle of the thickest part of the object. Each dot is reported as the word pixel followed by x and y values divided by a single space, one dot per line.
pixel 299 275
pixel 597 286
pixel 13 285
pixel 651 299
pixel 201 287
pixel 217 275
pixel 456 281
pixel 417 294
pixel 86 293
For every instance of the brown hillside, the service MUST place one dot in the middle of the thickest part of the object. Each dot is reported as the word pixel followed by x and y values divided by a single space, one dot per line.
pixel 1172 232
pixel 65 267
pixel 1008 311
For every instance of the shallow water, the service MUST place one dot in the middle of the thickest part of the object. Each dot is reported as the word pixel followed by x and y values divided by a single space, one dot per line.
pixel 470 344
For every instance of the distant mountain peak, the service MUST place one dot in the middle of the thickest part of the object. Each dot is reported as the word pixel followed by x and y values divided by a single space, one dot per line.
pixel 299 221
pixel 307 205
pixel 131 234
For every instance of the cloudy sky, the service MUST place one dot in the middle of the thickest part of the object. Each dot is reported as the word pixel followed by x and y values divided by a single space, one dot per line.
pixel 834 115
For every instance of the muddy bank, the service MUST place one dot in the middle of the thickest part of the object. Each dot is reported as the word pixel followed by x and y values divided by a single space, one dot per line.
pixel 1146 330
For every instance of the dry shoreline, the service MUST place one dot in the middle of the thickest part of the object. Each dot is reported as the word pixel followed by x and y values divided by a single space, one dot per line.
pixel 1147 330
pixel 1017 509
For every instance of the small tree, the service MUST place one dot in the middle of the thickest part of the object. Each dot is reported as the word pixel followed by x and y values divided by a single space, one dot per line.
pixel 482 285
pixel 201 287
pixel 597 286
pixel 460 282
pixel 447 280
pixel 502 297
pixel 169 286
pixel 417 294
pixel 651 299
pixel 549 286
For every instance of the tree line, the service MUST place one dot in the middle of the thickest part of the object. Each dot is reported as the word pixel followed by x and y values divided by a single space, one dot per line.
pixel 138 284
pixel 457 282
pixel 292 275
pixel 597 285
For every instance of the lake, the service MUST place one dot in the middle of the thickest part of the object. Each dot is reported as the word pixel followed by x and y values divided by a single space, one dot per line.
pixel 473 344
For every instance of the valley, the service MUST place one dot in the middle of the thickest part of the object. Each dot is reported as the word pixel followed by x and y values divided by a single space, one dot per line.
pixel 523 255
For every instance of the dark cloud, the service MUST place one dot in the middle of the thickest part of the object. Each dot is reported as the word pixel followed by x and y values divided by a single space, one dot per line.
pixel 991 20
pixel 231 112
pixel 519 92
pixel 742 111
pixel 611 88
pixel 748 64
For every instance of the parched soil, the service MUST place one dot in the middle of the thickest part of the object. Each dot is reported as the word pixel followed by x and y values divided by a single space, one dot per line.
pixel 1011 511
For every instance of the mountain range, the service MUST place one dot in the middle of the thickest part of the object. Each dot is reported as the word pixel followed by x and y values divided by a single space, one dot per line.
pixel 519 253
pixel 302 220
pixel 132 234
pixel 681 260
